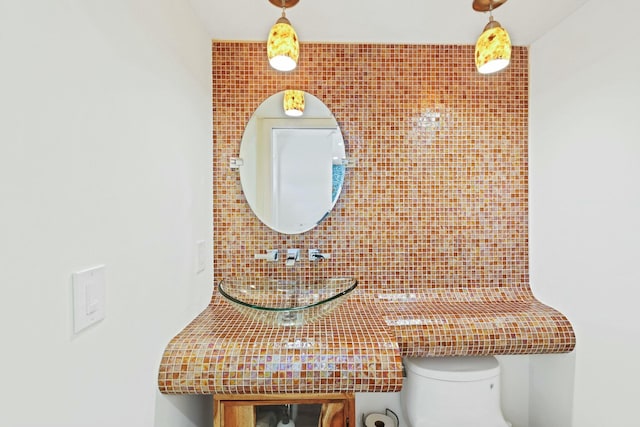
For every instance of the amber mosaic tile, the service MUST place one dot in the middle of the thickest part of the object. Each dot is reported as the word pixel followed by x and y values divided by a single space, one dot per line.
pixel 427 328
pixel 432 221
pixel 350 350
pixel 358 347
pixel 423 207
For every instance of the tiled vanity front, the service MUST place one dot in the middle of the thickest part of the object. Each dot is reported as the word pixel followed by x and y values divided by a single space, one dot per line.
pixel 356 348
pixel 349 350
pixel 472 322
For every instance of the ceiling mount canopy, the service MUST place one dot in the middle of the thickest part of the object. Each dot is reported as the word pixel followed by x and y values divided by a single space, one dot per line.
pixel 283 48
pixel 493 48
pixel 482 5
pixel 286 3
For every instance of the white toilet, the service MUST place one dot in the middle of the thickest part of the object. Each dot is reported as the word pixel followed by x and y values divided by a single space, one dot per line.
pixel 452 392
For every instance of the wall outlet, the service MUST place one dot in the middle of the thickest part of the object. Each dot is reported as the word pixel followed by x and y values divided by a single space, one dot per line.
pixel 88 297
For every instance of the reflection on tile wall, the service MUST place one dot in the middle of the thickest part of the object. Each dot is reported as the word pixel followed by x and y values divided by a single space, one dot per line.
pixel 422 208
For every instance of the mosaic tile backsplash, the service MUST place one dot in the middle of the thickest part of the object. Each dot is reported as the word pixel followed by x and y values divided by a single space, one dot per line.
pixel 424 208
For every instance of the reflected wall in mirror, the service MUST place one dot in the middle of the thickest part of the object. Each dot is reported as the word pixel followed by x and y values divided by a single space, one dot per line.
pixel 292 168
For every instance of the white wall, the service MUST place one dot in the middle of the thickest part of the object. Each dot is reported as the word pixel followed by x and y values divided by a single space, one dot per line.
pixel 585 210
pixel 105 157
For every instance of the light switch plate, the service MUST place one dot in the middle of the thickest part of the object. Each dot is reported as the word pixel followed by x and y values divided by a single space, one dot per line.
pixel 88 297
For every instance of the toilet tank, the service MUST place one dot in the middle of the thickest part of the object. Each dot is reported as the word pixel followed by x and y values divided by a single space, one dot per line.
pixel 452 392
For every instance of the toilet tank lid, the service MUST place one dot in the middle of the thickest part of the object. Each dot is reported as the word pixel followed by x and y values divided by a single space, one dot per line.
pixel 454 368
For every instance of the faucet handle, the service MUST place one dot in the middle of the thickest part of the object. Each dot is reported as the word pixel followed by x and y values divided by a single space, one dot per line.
pixel 293 255
pixel 271 255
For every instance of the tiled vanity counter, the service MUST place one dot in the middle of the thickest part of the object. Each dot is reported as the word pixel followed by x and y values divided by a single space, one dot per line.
pixel 358 347
pixel 349 350
pixel 480 321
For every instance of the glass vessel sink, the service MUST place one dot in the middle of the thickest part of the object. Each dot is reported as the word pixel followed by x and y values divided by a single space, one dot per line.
pixel 286 302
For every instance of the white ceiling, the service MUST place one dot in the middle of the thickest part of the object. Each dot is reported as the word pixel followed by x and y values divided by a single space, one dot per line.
pixel 382 21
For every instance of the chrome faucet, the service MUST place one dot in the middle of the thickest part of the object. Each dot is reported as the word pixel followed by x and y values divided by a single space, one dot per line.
pixel 293 255
pixel 316 255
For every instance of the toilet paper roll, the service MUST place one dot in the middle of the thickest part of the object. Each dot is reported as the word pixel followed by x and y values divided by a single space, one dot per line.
pixel 378 420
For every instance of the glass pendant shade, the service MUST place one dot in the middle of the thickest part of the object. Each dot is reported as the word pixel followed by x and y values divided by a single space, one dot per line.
pixel 283 48
pixel 493 49
pixel 293 103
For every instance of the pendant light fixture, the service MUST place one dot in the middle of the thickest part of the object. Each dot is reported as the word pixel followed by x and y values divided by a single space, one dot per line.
pixel 293 103
pixel 493 48
pixel 283 48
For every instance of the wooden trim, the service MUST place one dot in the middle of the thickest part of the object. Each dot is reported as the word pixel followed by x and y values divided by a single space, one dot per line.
pixel 238 410
pixel 284 396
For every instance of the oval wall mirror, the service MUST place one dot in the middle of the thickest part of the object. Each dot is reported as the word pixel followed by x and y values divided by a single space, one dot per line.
pixel 292 167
